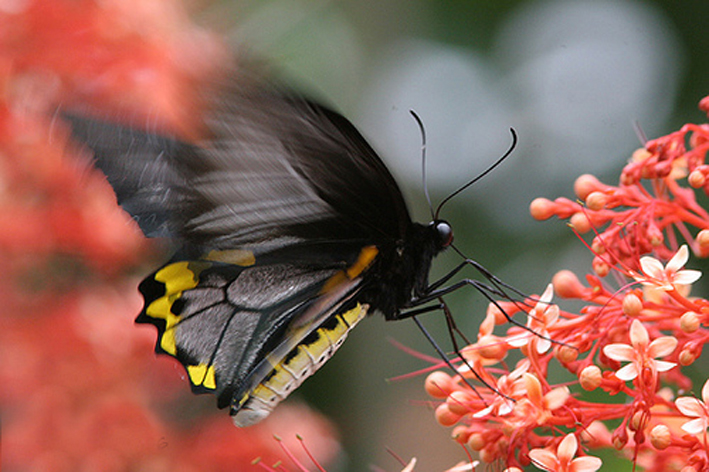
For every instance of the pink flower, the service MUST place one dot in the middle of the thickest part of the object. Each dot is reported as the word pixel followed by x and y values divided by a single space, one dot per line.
pixel 541 317
pixel 641 353
pixel 535 407
pixel 666 277
pixel 563 460
pixel 509 387
pixel 695 408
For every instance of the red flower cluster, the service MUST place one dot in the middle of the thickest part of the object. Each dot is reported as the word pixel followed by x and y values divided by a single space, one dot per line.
pixel 81 386
pixel 632 339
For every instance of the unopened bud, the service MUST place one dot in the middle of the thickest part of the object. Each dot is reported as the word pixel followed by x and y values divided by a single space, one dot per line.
pixel 600 267
pixel 491 347
pixel 638 421
pixel 632 305
pixel 619 438
pixel 689 322
pixel 696 179
pixel 439 384
pixel 566 354
pixel 596 201
pixel 445 417
pixel 459 402
pixel 590 378
pixel 585 184
pixel 686 357
pixel 542 209
pixel 460 434
pixel 660 437
pixel 567 285
pixel 476 442
pixel 579 221
pixel 597 246
pixel 654 235
pixel 488 455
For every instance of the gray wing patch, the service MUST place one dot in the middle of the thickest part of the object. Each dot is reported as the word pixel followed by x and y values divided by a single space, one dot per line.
pixel 230 318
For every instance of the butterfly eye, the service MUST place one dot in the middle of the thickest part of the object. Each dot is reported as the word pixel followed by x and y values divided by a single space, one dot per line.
pixel 444 232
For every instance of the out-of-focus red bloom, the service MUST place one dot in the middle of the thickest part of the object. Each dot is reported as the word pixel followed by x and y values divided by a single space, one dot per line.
pixel 644 229
pixel 81 386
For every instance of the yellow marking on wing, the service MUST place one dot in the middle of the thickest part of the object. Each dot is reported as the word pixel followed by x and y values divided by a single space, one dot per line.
pixel 239 257
pixel 202 375
pixel 364 260
pixel 339 278
pixel 177 277
pixel 366 256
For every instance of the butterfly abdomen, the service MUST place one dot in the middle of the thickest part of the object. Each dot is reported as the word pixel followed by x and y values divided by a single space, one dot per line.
pixel 301 362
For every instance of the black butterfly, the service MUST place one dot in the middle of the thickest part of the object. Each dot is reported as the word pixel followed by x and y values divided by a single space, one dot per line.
pixel 291 229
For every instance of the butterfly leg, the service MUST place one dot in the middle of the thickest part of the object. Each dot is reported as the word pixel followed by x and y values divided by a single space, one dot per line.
pixel 487 291
pixel 498 283
pixel 452 329
pixel 444 356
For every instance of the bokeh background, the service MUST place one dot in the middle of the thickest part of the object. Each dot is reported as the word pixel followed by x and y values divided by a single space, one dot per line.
pixel 577 80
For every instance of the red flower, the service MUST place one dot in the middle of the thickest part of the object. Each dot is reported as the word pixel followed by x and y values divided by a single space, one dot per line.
pixel 646 214
pixel 82 389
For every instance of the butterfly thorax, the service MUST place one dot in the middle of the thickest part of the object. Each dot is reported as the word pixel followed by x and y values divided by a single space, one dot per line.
pixel 401 271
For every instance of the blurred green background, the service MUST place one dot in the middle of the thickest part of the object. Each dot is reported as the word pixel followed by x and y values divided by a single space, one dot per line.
pixel 572 78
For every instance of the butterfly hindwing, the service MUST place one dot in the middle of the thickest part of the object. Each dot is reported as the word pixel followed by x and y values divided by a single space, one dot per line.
pixel 248 332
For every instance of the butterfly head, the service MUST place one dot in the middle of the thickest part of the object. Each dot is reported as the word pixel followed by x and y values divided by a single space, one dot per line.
pixel 442 233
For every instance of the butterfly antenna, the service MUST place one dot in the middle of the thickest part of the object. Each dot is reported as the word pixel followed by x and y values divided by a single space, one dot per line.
pixel 483 174
pixel 422 130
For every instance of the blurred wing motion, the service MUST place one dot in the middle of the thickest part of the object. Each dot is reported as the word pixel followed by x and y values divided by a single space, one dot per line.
pixel 290 229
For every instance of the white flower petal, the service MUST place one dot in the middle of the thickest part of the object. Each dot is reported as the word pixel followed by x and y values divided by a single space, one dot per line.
pixel 483 412
pixel 548 294
pixel 686 277
pixel 690 406
pixel 567 448
pixel 638 334
pixel 518 340
pixel 410 466
pixel 652 267
pixel 586 464
pixel 620 352
pixel 464 467
pixel 629 372
pixel 543 345
pixel 556 398
pixel 705 392
pixel 678 260
pixel 662 346
pixel 544 459
pixel 664 366
pixel 506 407
pixel 695 426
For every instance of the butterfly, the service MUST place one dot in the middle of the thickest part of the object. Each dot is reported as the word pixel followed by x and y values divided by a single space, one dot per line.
pixel 289 230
